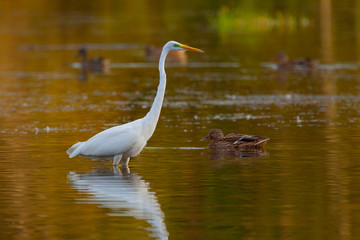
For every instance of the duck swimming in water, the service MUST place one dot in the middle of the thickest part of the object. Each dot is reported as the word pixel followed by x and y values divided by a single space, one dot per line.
pixel 283 62
pixel 234 141
pixel 98 64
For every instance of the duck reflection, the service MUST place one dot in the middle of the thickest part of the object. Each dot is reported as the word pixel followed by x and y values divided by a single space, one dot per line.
pixel 125 193
pixel 225 154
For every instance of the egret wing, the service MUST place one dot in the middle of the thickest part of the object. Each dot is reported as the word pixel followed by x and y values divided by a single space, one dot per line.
pixel 112 141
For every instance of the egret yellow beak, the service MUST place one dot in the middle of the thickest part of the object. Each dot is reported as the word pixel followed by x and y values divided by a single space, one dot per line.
pixel 191 48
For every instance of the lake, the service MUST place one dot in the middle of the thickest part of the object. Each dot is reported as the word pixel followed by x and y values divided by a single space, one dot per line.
pixel 306 185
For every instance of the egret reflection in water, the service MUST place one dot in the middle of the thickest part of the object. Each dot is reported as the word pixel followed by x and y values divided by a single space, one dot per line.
pixel 125 193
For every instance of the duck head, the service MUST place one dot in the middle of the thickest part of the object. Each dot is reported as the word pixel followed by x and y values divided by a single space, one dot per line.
pixel 281 58
pixel 82 52
pixel 214 134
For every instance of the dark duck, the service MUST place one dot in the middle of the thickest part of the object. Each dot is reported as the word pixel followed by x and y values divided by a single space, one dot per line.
pixel 97 64
pixel 234 141
pixel 283 62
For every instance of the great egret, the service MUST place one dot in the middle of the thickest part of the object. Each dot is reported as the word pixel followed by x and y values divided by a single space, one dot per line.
pixel 127 140
pixel 234 141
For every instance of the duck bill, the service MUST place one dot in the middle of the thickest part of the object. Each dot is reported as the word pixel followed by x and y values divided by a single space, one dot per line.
pixel 205 138
pixel 188 48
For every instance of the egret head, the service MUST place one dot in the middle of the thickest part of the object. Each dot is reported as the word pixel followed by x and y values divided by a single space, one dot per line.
pixel 175 46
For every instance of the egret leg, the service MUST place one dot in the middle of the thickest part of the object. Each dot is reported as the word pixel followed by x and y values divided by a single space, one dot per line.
pixel 116 171
pixel 125 171
pixel 117 159
pixel 125 161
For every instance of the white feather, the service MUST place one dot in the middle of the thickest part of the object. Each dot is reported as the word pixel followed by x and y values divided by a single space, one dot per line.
pixel 112 141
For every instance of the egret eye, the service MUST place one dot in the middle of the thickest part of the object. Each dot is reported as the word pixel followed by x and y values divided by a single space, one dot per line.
pixel 176 45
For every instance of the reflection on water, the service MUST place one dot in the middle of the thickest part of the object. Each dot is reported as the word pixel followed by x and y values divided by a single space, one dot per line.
pixel 125 193
pixel 233 155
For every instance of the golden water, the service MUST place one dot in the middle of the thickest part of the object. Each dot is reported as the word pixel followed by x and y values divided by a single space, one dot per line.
pixel 305 187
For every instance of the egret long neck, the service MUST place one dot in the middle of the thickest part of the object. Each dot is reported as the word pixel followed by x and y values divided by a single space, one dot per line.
pixel 152 116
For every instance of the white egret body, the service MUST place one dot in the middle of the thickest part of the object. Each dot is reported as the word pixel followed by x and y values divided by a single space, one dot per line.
pixel 127 140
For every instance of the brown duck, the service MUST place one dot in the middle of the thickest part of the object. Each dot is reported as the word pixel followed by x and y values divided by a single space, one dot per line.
pixel 153 54
pixel 234 141
pixel 283 62
pixel 97 64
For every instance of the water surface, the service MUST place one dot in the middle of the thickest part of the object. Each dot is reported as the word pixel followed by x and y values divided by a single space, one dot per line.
pixel 306 184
